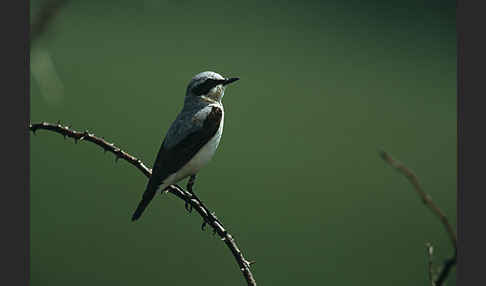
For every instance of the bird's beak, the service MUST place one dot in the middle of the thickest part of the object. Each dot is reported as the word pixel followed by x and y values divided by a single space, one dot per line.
pixel 230 80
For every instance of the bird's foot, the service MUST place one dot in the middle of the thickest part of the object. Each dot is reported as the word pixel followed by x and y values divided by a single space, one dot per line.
pixel 188 206
pixel 190 184
pixel 211 220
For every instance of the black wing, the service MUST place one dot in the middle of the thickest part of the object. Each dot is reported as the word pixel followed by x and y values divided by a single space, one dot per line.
pixel 171 160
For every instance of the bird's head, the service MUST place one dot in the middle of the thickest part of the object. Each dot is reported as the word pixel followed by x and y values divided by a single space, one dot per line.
pixel 208 86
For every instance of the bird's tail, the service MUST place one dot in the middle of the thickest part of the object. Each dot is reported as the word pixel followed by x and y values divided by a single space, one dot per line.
pixel 147 198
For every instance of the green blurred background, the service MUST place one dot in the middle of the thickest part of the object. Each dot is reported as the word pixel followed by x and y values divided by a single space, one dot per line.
pixel 297 178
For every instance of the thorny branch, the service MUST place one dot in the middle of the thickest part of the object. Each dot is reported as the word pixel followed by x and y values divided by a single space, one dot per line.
pixel 192 199
pixel 427 200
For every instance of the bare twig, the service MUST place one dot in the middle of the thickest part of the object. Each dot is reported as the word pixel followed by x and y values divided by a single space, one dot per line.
pixel 430 252
pixel 43 69
pixel 47 13
pixel 446 268
pixel 207 216
pixel 427 200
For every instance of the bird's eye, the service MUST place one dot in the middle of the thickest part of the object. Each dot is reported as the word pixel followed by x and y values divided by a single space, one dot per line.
pixel 205 87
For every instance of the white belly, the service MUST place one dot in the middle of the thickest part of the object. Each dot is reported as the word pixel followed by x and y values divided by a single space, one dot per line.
pixel 198 161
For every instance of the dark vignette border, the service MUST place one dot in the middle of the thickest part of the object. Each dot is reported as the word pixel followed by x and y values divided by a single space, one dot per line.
pixel 471 143
pixel 14 200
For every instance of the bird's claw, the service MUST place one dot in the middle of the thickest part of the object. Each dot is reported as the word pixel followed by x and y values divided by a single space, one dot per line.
pixel 188 206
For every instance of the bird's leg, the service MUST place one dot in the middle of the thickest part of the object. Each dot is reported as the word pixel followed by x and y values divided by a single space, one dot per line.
pixel 211 217
pixel 190 183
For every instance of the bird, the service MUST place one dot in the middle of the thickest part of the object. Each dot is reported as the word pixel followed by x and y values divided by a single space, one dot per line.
pixel 192 138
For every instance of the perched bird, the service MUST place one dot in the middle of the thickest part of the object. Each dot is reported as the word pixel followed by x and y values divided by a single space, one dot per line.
pixel 192 138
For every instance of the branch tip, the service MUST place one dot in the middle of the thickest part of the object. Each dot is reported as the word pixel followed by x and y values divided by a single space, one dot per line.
pixel 427 200
pixel 382 153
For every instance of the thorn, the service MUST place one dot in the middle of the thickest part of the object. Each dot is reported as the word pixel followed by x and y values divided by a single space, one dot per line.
pixel 251 262
pixel 223 238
